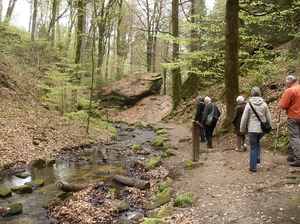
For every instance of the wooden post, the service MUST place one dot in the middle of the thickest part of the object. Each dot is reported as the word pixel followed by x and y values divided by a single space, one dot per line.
pixel 195 139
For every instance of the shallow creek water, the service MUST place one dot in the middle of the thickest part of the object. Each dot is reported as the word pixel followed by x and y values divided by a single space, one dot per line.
pixel 93 170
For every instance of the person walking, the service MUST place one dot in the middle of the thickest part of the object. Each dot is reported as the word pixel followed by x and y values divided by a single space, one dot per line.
pixel 236 121
pixel 290 102
pixel 213 110
pixel 250 120
pixel 199 115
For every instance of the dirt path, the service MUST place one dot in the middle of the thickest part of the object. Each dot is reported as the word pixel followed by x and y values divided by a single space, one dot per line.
pixel 227 191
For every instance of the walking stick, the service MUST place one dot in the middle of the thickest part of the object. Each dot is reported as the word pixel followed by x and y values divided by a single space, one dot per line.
pixel 278 124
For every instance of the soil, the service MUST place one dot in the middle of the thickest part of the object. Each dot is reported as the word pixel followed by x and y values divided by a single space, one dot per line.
pixel 227 192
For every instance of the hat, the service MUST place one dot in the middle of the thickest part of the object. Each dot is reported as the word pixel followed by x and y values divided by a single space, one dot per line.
pixel 240 99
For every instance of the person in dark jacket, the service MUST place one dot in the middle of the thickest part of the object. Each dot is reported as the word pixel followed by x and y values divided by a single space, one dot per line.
pixel 209 128
pixel 199 115
pixel 236 121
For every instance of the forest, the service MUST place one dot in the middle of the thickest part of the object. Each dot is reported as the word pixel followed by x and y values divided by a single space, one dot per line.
pixel 95 43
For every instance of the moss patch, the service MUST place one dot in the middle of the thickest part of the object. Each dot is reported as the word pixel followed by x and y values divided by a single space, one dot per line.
pixel 185 200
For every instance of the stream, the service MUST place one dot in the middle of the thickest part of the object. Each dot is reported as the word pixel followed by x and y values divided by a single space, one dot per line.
pixel 92 169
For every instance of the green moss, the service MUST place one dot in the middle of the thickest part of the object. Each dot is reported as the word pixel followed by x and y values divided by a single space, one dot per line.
pixel 39 162
pixel 169 152
pixel 154 221
pixel 191 164
pixel 140 124
pixel 51 161
pixel 5 192
pixel 152 163
pixel 113 191
pixel 157 142
pixel 163 185
pixel 164 212
pixel 136 148
pixel 162 132
pixel 185 200
pixel 155 127
pixel 7 165
pixel 184 139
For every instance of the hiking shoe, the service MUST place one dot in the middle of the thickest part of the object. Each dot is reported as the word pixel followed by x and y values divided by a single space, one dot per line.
pixel 245 147
pixel 209 147
pixel 252 170
pixel 295 164
pixel 290 159
pixel 258 160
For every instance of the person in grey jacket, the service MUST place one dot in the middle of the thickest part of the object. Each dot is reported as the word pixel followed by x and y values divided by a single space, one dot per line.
pixel 209 129
pixel 250 120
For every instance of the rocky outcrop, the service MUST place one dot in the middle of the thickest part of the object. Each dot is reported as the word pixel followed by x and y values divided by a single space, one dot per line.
pixel 131 89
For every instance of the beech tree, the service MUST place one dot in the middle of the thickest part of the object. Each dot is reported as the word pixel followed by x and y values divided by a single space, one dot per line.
pixel 176 79
pixel 231 59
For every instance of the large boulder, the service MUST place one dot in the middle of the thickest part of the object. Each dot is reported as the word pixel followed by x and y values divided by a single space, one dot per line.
pixel 131 89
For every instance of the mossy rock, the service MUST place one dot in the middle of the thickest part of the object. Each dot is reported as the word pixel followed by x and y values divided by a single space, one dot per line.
pixel 11 209
pixel 169 152
pixel 23 189
pixel 5 192
pixel 157 142
pixel 185 200
pixel 136 148
pixel 51 161
pixel 160 199
pixel 54 201
pixel 191 164
pixel 35 184
pixel 40 162
pixel 154 221
pixel 164 212
pixel 152 163
pixel 22 175
pixel 162 132
pixel 163 185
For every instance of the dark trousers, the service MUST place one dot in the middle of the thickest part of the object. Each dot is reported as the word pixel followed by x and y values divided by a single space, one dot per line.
pixel 202 134
pixel 209 131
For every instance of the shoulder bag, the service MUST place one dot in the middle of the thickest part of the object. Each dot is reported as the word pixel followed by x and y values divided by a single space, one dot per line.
pixel 265 126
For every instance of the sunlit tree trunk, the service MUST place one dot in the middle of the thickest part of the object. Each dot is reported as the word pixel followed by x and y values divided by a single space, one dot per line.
pixel 231 59
pixel 9 12
pixel 79 30
pixel 176 79
pixel 51 31
pixel 34 17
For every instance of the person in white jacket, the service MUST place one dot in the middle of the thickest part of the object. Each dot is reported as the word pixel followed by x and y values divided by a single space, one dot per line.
pixel 250 121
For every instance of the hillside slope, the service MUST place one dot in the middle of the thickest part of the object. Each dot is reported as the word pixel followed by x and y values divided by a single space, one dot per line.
pixel 27 129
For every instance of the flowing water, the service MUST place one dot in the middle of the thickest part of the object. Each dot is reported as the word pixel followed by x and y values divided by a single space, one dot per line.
pixel 93 169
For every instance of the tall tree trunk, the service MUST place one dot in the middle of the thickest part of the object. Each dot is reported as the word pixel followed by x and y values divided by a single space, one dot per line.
pixel 176 79
pixel 231 59
pixel 9 12
pixel 51 31
pixel 34 17
pixel 79 33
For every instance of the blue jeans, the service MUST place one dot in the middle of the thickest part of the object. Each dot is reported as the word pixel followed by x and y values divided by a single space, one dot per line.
pixel 254 148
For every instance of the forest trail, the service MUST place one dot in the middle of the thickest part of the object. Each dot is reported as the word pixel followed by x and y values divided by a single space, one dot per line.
pixel 227 191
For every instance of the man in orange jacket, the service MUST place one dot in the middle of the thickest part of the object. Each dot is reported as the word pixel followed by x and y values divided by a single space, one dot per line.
pixel 290 102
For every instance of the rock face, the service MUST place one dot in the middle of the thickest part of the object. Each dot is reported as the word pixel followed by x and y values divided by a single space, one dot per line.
pixel 131 89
